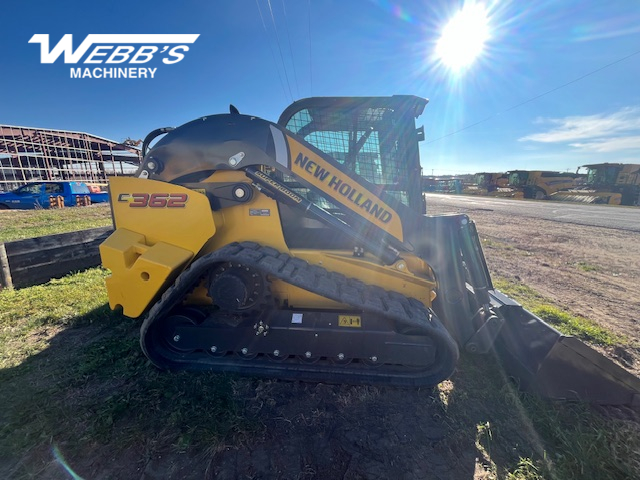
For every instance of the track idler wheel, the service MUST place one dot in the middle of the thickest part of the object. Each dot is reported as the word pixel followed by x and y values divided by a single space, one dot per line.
pixel 180 317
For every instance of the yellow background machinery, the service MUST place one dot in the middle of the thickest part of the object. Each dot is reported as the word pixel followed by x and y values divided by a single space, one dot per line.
pixel 541 184
pixel 609 183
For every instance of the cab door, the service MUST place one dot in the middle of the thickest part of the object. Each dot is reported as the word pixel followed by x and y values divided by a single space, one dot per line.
pixel 29 197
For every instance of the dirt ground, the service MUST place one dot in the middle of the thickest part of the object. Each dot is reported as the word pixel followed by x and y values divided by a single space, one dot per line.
pixel 317 431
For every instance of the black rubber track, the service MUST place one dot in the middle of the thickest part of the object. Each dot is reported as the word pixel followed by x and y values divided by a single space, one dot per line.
pixel 335 286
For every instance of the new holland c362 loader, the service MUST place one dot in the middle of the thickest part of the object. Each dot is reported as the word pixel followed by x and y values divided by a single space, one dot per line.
pixel 300 250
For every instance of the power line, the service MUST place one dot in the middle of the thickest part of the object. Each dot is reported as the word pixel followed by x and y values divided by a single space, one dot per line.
pixel 310 64
pixel 284 66
pixel 466 127
pixel 293 64
pixel 273 55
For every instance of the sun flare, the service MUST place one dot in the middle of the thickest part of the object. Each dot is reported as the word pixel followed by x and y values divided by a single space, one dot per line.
pixel 463 39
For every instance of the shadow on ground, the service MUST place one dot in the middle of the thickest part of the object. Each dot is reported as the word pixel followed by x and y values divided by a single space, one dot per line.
pixel 90 403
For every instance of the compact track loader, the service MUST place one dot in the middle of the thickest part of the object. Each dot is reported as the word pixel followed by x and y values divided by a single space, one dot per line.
pixel 300 250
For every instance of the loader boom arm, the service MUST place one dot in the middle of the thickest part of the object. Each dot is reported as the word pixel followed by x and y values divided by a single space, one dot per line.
pixel 203 146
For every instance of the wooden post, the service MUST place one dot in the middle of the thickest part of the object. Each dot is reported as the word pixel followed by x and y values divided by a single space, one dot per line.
pixel 5 272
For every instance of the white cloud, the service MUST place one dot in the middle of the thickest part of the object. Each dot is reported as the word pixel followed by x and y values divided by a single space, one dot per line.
pixel 611 144
pixel 597 133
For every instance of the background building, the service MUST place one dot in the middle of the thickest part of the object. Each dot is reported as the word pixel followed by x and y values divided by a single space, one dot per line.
pixel 36 154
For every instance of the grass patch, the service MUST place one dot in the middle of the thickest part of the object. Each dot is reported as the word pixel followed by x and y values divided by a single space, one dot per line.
pixel 526 470
pixel 29 316
pixel 587 267
pixel 569 324
pixel 72 373
pixel 496 244
pixel 582 443
pixel 578 326
pixel 519 436
pixel 20 224
pixel 521 292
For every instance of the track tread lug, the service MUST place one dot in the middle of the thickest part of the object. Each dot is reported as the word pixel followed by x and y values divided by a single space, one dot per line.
pixel 271 264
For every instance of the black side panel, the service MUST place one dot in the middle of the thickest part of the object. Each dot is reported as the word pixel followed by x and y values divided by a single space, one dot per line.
pixel 449 243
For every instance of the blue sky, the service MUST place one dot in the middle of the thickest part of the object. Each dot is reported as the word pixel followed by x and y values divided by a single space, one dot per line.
pixel 338 48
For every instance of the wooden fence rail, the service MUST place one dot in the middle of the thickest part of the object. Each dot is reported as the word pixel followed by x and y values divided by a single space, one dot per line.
pixel 37 260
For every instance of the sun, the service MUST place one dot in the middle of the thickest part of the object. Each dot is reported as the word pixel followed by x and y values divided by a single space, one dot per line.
pixel 463 39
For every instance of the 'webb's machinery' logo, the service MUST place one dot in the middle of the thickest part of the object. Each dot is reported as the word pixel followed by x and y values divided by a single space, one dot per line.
pixel 118 56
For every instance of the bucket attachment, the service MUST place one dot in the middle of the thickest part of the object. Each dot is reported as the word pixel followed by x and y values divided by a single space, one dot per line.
pixel 544 361
pixel 537 356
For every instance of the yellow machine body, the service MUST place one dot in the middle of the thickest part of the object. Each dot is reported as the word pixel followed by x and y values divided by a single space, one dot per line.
pixel 143 264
